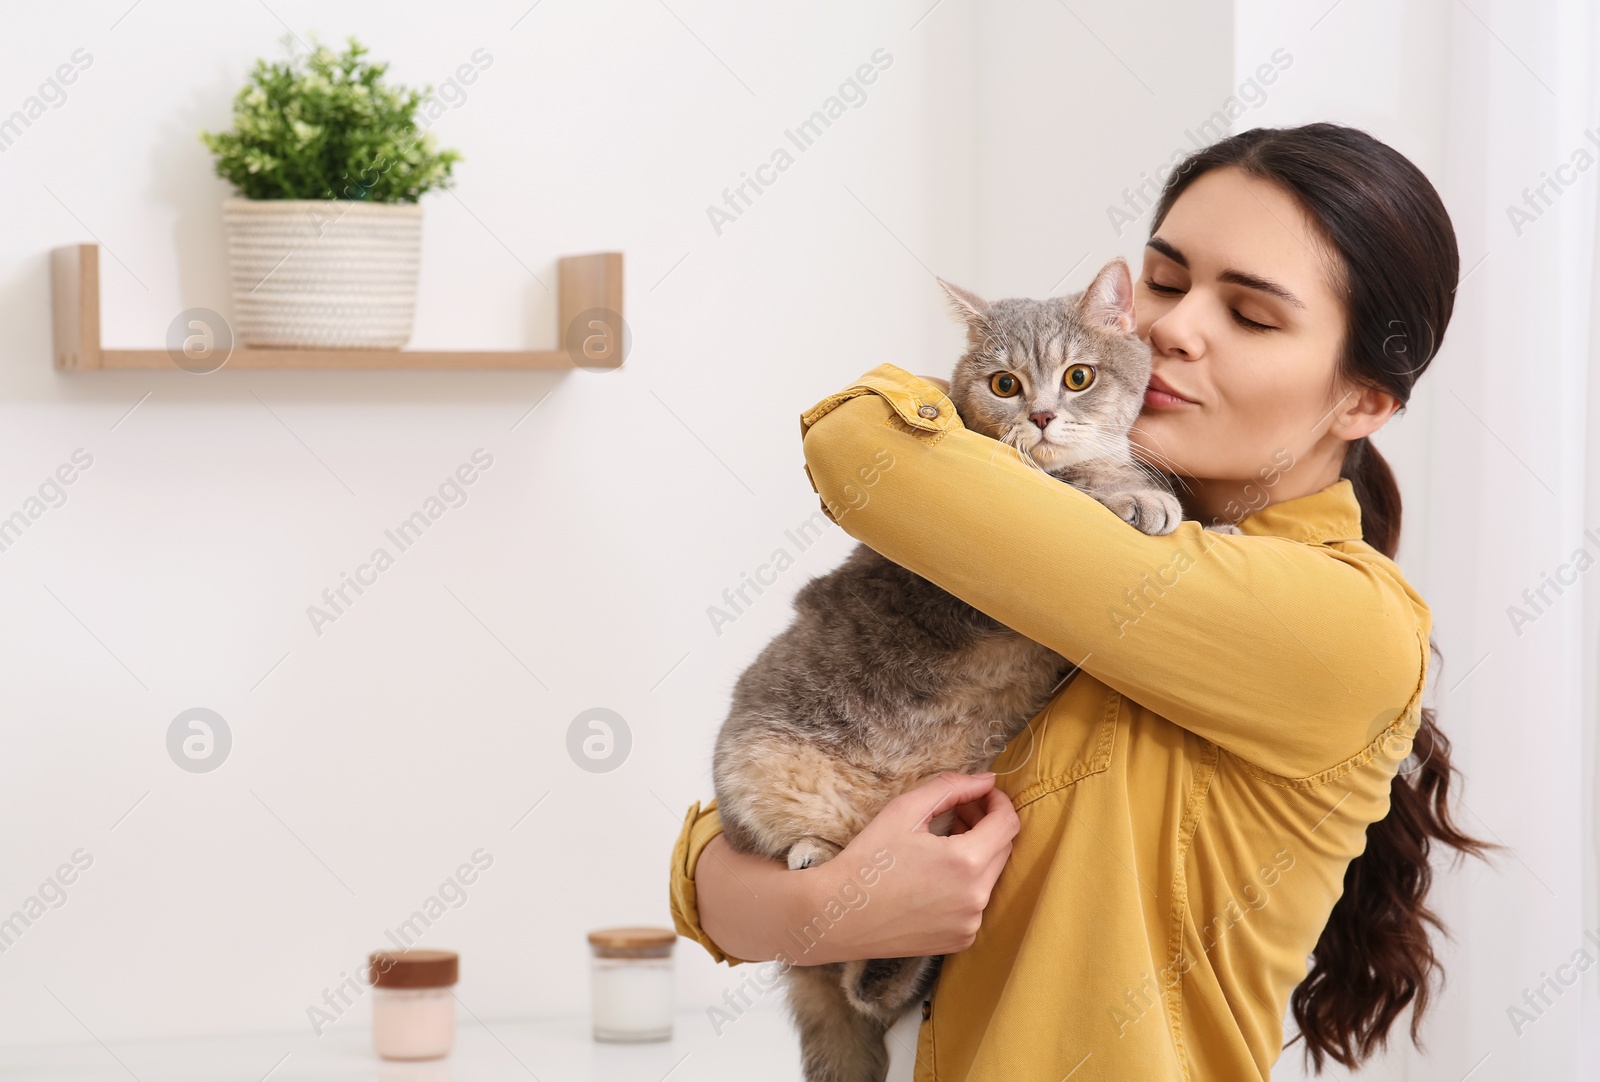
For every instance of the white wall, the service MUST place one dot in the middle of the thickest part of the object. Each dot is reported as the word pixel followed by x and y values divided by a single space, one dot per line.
pixel 409 734
pixel 1078 106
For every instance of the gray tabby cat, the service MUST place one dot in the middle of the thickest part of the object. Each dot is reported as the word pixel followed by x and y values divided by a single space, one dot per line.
pixel 884 680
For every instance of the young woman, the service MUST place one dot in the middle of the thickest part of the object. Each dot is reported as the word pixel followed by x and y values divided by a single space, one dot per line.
pixel 1227 811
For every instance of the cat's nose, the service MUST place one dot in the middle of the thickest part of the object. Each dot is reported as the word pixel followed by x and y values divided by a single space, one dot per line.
pixel 1041 419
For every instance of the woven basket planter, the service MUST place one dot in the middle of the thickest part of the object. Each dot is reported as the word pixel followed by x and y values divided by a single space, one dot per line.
pixel 323 273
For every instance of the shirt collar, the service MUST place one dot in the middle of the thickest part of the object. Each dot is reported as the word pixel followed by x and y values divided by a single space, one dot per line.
pixel 1332 514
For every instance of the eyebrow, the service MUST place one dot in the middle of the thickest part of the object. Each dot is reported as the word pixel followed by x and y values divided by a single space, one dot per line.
pixel 1237 277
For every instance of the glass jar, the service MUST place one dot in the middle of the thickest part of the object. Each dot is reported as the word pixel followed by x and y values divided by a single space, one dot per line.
pixel 413 1007
pixel 631 983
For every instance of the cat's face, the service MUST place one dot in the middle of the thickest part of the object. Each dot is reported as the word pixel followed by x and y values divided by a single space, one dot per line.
pixel 1061 380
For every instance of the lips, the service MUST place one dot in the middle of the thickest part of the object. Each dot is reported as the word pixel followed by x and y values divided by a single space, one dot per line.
pixel 1159 384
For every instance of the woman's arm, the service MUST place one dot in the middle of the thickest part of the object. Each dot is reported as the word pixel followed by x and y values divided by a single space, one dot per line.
pixel 1292 655
pixel 895 891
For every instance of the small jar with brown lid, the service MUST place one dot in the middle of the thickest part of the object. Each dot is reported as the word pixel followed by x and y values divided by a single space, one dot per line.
pixel 631 983
pixel 413 1007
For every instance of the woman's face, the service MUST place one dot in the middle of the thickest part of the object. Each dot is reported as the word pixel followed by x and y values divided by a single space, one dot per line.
pixel 1236 302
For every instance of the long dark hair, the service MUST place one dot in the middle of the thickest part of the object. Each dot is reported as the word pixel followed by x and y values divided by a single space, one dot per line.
pixel 1398 274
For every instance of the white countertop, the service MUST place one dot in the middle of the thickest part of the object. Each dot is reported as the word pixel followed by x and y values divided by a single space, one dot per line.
pixel 760 1044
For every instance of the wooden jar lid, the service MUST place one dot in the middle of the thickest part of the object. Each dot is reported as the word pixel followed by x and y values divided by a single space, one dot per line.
pixel 632 942
pixel 413 969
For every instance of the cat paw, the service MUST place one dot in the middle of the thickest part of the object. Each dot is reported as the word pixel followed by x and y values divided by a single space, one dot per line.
pixel 1224 527
pixel 943 823
pixel 809 852
pixel 1150 511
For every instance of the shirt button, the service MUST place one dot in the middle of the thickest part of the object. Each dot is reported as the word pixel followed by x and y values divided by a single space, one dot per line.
pixel 929 411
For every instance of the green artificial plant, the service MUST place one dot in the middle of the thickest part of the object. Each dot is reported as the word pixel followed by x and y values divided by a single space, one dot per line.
pixel 325 126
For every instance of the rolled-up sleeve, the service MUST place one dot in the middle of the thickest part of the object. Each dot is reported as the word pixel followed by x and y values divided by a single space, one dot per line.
pixel 700 825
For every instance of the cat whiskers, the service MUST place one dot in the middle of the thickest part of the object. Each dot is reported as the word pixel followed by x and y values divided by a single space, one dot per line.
pixel 1159 473
pixel 1096 436
pixel 1089 439
pixel 1012 439
pixel 1162 464
pixel 1008 436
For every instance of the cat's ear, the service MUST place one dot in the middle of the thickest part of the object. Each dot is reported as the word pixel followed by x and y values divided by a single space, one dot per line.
pixel 972 309
pixel 969 306
pixel 1108 302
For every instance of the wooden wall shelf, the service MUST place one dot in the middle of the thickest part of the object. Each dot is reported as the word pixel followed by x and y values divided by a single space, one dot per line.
pixel 587 282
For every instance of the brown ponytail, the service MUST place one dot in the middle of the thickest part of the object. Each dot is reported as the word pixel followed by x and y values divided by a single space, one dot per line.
pixel 1375 956
pixel 1377 492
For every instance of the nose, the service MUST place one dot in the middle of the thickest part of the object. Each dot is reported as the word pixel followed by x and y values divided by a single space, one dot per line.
pixel 1041 419
pixel 1175 334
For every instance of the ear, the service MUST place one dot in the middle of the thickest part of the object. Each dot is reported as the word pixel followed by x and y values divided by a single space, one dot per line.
pixel 972 309
pixel 969 306
pixel 1108 302
pixel 1361 412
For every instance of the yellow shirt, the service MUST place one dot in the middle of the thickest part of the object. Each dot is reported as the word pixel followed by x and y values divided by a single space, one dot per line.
pixel 1189 800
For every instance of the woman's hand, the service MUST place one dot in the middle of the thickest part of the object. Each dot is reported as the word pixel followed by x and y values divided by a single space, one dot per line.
pixel 895 891
pixel 929 891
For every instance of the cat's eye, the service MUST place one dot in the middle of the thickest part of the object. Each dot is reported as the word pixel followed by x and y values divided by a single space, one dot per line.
pixel 1079 377
pixel 1005 385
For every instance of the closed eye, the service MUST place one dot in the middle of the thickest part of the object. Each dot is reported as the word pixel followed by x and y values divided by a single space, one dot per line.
pixel 1242 320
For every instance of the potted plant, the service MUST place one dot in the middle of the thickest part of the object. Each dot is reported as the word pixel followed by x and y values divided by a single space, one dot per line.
pixel 325 242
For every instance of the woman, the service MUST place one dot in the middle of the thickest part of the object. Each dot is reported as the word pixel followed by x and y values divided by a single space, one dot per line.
pixel 1240 774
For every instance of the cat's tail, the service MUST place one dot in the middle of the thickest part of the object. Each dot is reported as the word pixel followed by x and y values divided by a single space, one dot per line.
pixel 838 1043
pixel 885 987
